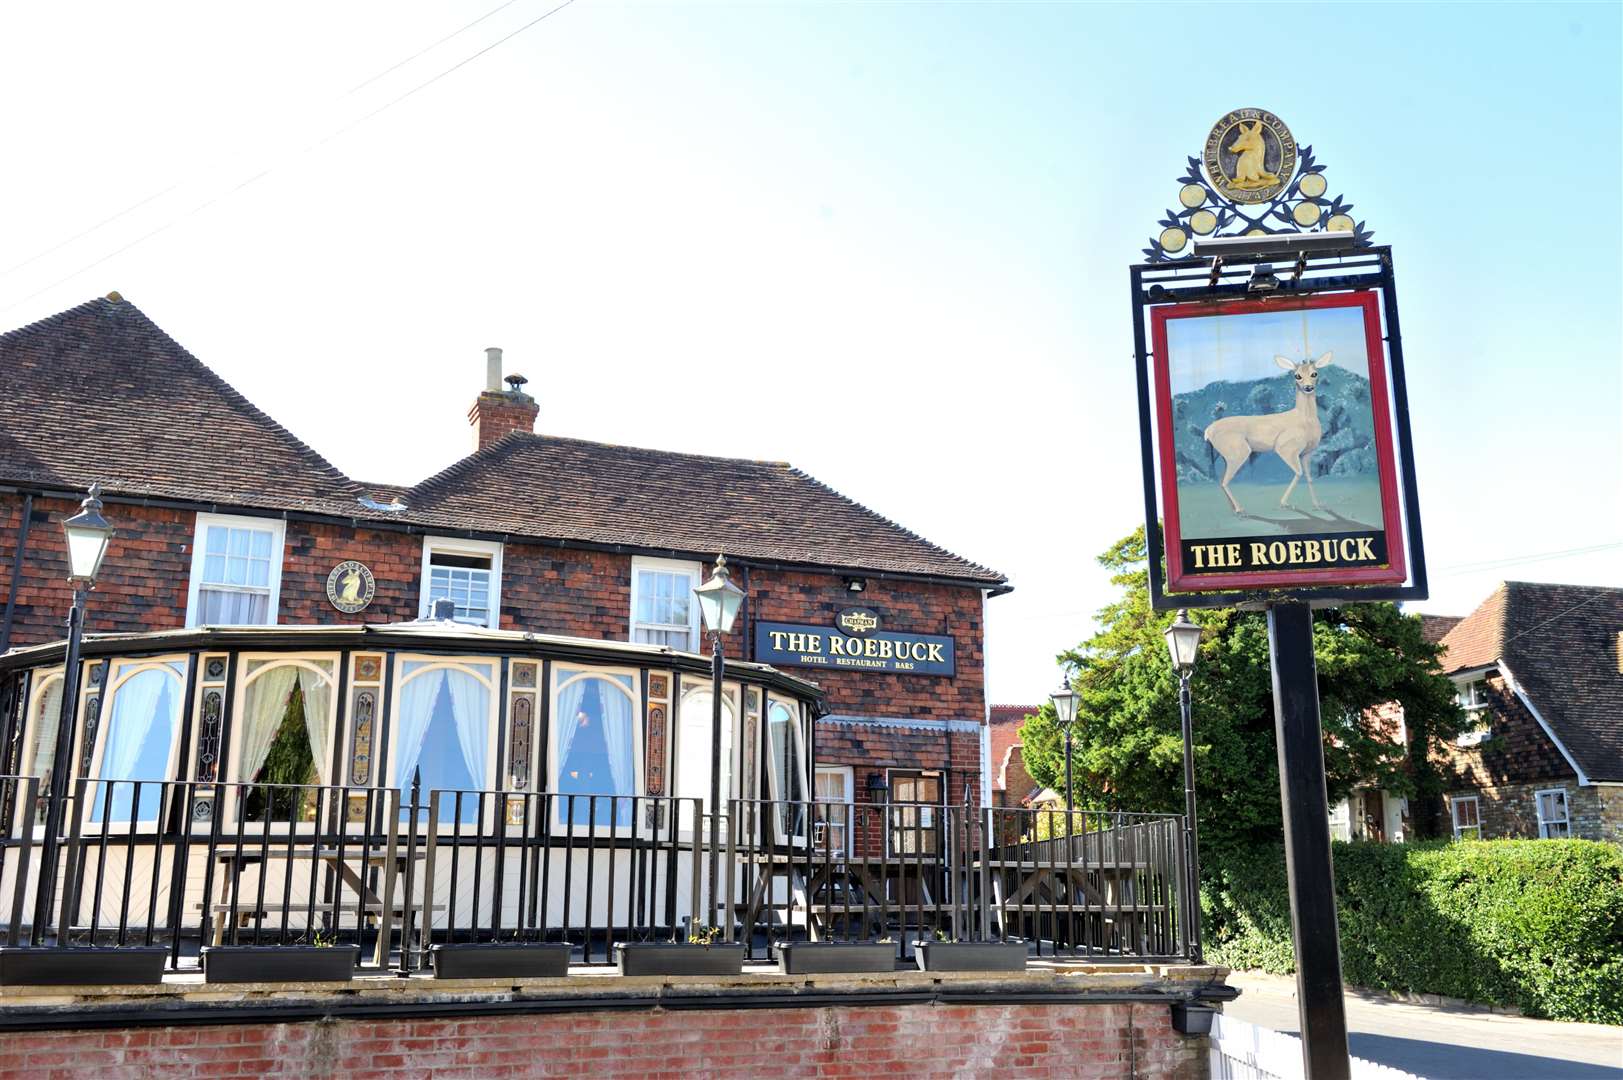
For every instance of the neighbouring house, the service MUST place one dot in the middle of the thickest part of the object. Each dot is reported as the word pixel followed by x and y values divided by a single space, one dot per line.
pixel 1372 813
pixel 1010 783
pixel 1540 671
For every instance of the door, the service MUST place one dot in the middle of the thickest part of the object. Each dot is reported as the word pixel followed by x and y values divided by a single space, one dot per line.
pixel 914 828
pixel 1374 817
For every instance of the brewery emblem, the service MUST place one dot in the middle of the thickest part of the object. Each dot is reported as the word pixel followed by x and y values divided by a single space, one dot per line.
pixel 1250 155
pixel 350 587
pixel 857 622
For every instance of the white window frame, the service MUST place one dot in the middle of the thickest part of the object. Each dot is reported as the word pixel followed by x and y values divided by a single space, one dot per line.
pixel 562 676
pixel 473 666
pixel 1566 807
pixel 119 672
pixel 451 545
pixel 278 531
pixel 1454 802
pixel 849 802
pixel 1474 686
pixel 695 572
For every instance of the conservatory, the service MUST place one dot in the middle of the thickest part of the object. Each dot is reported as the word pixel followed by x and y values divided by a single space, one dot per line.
pixel 273 780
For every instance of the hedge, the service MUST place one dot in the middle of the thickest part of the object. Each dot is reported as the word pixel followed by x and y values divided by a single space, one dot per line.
pixel 1533 923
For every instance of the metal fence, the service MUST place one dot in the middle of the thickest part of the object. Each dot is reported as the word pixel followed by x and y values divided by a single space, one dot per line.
pixel 185 865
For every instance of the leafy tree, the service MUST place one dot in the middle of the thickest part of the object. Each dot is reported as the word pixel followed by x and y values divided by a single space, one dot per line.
pixel 1128 744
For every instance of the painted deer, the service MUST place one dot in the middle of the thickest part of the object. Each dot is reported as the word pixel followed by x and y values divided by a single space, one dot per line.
pixel 1293 434
pixel 1248 170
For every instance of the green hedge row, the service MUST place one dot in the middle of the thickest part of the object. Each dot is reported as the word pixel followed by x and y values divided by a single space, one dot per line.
pixel 1533 923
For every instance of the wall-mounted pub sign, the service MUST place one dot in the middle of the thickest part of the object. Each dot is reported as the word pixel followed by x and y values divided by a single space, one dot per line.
pixel 855 642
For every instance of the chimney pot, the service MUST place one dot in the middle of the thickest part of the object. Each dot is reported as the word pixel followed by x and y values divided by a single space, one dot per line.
pixel 493 368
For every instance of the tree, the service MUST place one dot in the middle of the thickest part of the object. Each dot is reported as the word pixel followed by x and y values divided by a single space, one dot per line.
pixel 1128 745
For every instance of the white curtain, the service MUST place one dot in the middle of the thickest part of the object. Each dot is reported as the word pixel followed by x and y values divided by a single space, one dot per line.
pixel 46 718
pixel 317 717
pixel 135 711
pixel 267 708
pixel 567 722
pixel 470 705
pixel 417 700
pixel 617 738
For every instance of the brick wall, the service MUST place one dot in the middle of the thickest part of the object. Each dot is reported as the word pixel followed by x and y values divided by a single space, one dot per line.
pixel 1510 811
pixel 1088 1042
pixel 143 586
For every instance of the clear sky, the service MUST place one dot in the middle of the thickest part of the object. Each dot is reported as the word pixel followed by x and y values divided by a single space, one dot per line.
pixel 894 237
pixel 1201 350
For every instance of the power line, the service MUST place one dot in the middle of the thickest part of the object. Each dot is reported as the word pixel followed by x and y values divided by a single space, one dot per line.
pixel 430 48
pixel 144 237
pixel 1517 560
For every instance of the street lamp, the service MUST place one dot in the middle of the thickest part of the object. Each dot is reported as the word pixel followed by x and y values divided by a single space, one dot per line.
pixel 719 601
pixel 1183 645
pixel 1064 700
pixel 87 534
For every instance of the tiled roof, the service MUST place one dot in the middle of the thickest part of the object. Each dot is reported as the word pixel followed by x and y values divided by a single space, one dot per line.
pixel 99 392
pixel 570 489
pixel 1561 642
pixel 1436 627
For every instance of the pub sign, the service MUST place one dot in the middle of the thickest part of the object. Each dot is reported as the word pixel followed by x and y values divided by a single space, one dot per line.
pixel 1276 448
pixel 855 643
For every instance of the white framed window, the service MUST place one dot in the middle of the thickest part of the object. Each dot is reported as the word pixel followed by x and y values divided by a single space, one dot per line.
pixel 138 740
pixel 1553 822
pixel 1472 693
pixel 595 746
pixel 274 743
pixel 834 787
pixel 445 729
pixel 663 609
pixel 1467 813
pixel 1341 820
pixel 786 760
pixel 236 571
pixel 466 572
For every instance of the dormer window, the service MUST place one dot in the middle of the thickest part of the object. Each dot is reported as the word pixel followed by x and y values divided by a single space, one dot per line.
pixel 466 572
pixel 1472 693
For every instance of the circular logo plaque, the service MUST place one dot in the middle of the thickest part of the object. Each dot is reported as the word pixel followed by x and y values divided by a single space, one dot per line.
pixel 1250 155
pixel 350 587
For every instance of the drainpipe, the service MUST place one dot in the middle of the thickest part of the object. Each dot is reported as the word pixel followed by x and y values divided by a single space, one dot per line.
pixel 16 572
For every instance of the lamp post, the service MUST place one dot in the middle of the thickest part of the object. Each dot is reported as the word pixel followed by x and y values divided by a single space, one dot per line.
pixel 1064 700
pixel 88 535
pixel 1183 645
pixel 719 601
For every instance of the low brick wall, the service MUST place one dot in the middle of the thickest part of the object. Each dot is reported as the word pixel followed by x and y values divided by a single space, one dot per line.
pixel 1054 1023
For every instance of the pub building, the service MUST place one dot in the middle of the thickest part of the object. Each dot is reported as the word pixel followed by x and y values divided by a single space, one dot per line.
pixel 522 621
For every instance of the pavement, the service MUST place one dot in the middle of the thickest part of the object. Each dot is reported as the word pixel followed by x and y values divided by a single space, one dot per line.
pixel 1442 1042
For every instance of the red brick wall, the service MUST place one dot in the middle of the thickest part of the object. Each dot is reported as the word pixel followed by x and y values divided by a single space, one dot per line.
pixel 143 586
pixel 1088 1042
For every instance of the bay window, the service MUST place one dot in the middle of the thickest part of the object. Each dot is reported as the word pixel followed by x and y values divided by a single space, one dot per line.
pixel 284 734
pixel 787 761
pixel 236 571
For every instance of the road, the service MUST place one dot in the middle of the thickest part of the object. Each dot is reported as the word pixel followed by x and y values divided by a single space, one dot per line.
pixel 1441 1043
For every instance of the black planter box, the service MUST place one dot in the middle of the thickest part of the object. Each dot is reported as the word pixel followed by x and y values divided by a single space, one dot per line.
pixel 1192 1018
pixel 279 963
pixel 677 958
pixel 495 960
pixel 831 957
pixel 77 965
pixel 970 955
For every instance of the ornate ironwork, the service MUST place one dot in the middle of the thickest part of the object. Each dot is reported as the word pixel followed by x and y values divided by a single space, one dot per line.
pixel 1303 205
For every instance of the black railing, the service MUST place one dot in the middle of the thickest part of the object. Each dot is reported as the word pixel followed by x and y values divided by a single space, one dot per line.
pixel 189 865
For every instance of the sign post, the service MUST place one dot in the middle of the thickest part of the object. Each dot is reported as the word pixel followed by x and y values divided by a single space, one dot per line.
pixel 1278 466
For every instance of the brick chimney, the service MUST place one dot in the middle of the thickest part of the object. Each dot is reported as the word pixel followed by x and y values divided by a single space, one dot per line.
pixel 499 411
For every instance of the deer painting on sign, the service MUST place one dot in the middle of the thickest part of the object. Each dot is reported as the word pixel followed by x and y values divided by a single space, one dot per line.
pixel 1293 434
